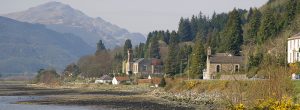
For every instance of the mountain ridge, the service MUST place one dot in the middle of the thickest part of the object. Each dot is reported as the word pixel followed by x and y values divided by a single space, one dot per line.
pixel 26 48
pixel 65 19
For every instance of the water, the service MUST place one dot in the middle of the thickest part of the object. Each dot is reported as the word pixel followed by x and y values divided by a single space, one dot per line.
pixel 7 103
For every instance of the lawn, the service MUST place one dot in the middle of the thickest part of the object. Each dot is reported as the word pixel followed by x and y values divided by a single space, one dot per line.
pixel 297 86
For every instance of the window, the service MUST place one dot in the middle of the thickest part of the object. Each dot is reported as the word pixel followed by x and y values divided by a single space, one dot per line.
pixel 297 56
pixel 291 57
pixel 144 67
pixel 218 68
pixel 236 68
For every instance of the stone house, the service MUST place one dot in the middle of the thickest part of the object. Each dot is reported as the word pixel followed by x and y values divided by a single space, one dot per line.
pixel 142 65
pixel 221 63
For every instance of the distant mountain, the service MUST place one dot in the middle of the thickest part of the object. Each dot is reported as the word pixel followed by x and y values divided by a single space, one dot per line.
pixel 63 18
pixel 28 47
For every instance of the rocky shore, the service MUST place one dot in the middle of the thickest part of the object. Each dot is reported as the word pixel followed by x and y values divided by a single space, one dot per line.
pixel 207 101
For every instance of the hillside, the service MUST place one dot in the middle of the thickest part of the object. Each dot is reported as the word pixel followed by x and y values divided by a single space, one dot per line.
pixel 65 19
pixel 259 34
pixel 28 47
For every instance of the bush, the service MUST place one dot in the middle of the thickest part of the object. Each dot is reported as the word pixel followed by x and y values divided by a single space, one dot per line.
pixel 48 76
pixel 163 82
pixel 271 104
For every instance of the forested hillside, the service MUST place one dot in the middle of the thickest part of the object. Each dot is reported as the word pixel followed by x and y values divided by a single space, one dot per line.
pixel 257 33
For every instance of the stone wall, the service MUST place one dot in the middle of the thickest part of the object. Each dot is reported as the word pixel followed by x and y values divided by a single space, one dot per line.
pixel 224 68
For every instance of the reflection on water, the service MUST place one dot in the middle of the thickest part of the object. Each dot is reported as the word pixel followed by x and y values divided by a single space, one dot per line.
pixel 7 103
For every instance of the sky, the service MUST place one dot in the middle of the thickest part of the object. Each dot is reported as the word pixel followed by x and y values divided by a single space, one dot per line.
pixel 140 15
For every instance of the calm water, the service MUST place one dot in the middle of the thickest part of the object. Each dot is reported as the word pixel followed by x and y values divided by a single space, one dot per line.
pixel 7 103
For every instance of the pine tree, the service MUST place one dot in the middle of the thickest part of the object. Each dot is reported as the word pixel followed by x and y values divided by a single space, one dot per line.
pixel 267 28
pixel 127 46
pixel 291 11
pixel 139 50
pixel 250 13
pixel 194 26
pixel 167 36
pixel 184 30
pixel 252 26
pixel 154 48
pixel 232 34
pixel 171 64
pixel 213 39
pixel 198 58
pixel 100 47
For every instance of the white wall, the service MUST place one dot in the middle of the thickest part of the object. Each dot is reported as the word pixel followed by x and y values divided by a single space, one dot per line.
pixel 293 50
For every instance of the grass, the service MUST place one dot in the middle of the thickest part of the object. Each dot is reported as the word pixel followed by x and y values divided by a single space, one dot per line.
pixel 297 86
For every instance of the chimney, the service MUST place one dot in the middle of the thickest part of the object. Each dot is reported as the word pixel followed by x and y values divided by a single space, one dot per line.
pixel 208 51
pixel 130 55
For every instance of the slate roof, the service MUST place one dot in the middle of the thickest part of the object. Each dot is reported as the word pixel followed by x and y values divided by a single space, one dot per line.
pixel 150 61
pixel 296 36
pixel 139 60
pixel 105 77
pixel 223 58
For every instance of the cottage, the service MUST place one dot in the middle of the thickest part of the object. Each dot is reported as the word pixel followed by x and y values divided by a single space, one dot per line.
pixel 118 80
pixel 142 65
pixel 221 62
pixel 104 79
pixel 293 48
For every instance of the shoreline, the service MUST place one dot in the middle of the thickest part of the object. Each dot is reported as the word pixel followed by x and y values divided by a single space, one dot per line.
pixel 116 97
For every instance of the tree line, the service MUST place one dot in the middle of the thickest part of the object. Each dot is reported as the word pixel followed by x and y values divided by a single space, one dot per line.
pixel 184 50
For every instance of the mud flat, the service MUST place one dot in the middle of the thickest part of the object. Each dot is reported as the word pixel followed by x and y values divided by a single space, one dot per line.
pixel 92 98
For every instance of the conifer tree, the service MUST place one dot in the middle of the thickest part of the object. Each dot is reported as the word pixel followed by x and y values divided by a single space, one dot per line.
pixel 198 58
pixel 139 50
pixel 252 26
pixel 291 11
pixel 232 34
pixel 171 63
pixel 154 48
pixel 100 47
pixel 267 28
pixel 167 36
pixel 194 26
pixel 127 46
pixel 184 30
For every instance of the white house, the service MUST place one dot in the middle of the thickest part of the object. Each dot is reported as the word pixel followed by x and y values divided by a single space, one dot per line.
pixel 104 79
pixel 115 81
pixel 293 49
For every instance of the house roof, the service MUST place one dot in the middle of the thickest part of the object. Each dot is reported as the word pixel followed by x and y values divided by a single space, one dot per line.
pixel 139 60
pixel 156 80
pixel 155 61
pixel 122 78
pixel 296 36
pixel 151 61
pixel 226 59
pixel 105 77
